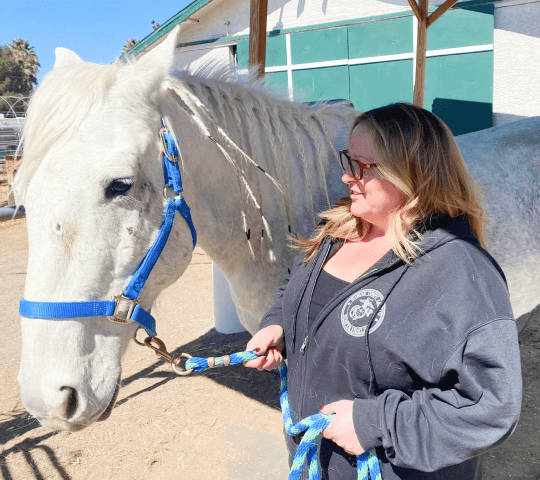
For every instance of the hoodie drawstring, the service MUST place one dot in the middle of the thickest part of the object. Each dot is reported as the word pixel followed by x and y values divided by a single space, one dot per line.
pixel 372 381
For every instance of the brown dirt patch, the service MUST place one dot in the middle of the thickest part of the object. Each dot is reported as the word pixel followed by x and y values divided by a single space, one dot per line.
pixel 224 425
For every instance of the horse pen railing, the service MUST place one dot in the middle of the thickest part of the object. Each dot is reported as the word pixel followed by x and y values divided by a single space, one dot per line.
pixel 8 168
pixel 12 118
pixel 9 216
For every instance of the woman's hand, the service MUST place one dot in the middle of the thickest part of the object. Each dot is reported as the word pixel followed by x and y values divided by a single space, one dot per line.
pixel 341 428
pixel 269 340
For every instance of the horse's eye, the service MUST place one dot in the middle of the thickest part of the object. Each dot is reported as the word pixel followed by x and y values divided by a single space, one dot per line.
pixel 117 187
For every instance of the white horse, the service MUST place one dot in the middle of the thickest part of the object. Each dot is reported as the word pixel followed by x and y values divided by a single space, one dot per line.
pixel 92 181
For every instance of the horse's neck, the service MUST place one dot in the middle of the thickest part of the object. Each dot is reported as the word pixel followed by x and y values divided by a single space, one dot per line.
pixel 287 149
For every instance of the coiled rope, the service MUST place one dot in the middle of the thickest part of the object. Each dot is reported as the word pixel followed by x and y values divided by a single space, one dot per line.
pixel 367 463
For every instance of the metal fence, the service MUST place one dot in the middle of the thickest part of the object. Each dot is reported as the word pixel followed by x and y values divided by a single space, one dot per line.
pixel 12 117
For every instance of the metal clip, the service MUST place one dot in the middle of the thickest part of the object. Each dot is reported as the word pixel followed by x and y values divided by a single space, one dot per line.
pixel 119 301
pixel 161 351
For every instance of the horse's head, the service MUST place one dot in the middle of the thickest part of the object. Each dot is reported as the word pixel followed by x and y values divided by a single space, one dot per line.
pixel 92 184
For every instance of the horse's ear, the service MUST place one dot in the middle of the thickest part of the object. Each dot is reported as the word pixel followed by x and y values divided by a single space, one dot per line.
pixel 160 59
pixel 65 58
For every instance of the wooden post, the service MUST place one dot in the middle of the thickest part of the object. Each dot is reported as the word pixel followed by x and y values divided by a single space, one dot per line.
pixel 420 10
pixel 442 9
pixel 257 36
pixel 421 46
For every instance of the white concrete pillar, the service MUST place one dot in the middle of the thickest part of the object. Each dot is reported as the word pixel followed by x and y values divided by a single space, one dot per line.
pixel 224 309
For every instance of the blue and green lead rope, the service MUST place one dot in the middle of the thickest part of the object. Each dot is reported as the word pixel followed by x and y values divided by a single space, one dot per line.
pixel 367 463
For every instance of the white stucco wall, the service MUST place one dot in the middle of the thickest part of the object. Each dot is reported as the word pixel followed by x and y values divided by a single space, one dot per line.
pixel 516 39
pixel 196 55
pixel 283 14
pixel 516 76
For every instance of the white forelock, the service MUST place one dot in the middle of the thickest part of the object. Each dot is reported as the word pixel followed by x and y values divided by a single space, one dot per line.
pixel 57 109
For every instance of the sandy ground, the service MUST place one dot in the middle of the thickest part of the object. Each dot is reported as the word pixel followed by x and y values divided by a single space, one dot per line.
pixel 223 425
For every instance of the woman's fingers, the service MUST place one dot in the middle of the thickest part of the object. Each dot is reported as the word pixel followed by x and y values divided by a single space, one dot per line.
pixel 257 363
pixel 273 359
pixel 270 361
pixel 261 342
pixel 267 337
pixel 341 429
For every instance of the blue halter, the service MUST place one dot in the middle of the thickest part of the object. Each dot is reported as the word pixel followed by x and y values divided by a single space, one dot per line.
pixel 124 308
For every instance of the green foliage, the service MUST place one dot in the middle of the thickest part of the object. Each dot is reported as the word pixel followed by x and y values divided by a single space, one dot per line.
pixel 18 68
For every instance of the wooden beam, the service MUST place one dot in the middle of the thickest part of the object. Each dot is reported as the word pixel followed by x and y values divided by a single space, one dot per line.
pixel 421 45
pixel 257 36
pixel 442 9
pixel 415 8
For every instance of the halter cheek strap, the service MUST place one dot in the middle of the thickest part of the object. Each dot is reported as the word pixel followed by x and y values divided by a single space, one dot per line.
pixel 124 308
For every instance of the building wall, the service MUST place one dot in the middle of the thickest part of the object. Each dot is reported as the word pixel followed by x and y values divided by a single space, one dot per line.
pixel 198 55
pixel 516 82
pixel 282 14
pixel 516 40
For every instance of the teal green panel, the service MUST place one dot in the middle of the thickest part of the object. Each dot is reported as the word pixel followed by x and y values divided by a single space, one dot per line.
pixel 376 84
pixel 461 28
pixel 242 53
pixel 315 84
pixel 459 89
pixel 389 37
pixel 319 46
pixel 277 81
pixel 276 51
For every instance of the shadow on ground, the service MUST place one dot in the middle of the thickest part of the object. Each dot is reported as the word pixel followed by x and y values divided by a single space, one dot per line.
pixel 519 457
pixel 22 424
pixel 260 386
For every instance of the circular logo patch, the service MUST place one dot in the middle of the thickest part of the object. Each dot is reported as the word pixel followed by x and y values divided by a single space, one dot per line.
pixel 358 311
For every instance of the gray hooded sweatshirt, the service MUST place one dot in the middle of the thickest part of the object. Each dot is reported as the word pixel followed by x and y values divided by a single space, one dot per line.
pixel 437 380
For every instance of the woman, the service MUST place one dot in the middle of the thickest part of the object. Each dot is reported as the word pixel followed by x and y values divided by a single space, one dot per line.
pixel 395 318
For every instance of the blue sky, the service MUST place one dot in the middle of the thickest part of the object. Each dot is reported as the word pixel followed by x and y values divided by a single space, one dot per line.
pixel 94 30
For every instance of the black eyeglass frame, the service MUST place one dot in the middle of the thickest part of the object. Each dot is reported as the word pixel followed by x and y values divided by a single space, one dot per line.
pixel 345 161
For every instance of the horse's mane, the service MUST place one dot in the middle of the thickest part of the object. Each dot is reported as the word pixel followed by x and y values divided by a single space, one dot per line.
pixel 218 98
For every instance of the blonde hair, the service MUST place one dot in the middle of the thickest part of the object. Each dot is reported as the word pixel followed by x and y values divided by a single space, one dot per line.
pixel 417 152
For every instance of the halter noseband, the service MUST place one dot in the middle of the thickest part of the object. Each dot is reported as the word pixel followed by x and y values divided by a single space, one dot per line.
pixel 124 308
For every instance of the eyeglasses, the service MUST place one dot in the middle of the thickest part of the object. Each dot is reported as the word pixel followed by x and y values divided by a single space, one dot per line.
pixel 358 169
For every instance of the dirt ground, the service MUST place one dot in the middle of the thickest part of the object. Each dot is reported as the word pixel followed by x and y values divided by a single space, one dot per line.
pixel 223 425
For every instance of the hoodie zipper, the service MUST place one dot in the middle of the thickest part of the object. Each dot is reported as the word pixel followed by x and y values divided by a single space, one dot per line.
pixel 297 306
pixel 304 345
pixel 306 339
pixel 315 325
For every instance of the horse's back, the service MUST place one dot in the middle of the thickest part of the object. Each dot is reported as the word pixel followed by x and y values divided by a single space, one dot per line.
pixel 505 161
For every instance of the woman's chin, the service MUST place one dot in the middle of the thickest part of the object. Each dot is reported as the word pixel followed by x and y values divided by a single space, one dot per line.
pixel 358 211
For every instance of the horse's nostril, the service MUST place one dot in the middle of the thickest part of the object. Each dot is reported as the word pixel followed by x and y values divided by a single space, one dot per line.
pixel 70 402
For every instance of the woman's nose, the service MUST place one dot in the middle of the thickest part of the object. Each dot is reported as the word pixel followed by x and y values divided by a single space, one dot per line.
pixel 347 177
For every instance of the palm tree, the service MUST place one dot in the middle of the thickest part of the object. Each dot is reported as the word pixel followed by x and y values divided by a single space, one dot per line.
pixel 24 66
pixel 18 67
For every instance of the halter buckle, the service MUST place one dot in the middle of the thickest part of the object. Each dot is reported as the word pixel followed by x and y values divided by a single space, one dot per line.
pixel 120 315
pixel 164 146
